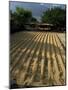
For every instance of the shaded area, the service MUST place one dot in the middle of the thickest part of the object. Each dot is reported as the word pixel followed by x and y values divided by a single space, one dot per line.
pixel 13 84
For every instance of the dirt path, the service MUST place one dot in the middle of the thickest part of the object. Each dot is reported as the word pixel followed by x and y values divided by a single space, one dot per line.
pixel 37 58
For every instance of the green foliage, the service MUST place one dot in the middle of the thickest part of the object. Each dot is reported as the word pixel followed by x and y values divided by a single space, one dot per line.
pixel 19 18
pixel 34 20
pixel 23 16
pixel 56 16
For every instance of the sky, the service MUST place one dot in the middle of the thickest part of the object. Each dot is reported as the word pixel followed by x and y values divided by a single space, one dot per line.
pixel 36 8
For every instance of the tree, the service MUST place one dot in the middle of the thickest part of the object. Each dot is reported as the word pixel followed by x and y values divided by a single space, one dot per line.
pixel 23 16
pixel 19 18
pixel 34 20
pixel 55 16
